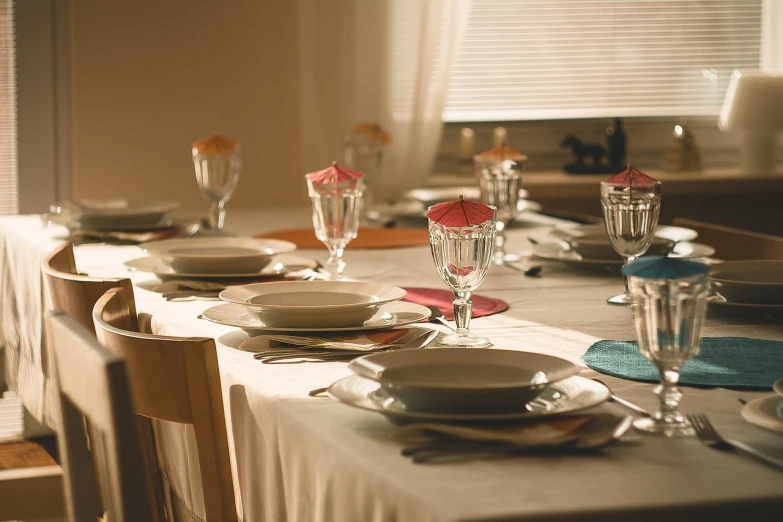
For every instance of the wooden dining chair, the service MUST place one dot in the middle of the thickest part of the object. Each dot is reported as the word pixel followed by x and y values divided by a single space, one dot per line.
pixel 92 385
pixel 733 244
pixel 75 294
pixel 175 379
pixel 72 292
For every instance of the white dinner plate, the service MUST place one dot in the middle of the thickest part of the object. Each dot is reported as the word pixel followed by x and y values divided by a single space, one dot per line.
pixel 280 265
pixel 676 234
pixel 728 306
pixel 566 396
pixel 778 387
pixel 102 214
pixel 459 381
pixel 224 255
pixel 432 195
pixel 560 252
pixel 419 219
pixel 766 412
pixel 313 304
pixel 398 313
pixel 755 282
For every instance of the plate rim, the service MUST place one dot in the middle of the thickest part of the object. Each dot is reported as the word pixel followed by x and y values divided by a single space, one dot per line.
pixel 729 264
pixel 452 417
pixel 242 275
pixel 536 251
pixel 568 369
pixel 77 210
pixel 283 247
pixel 422 317
pixel 397 294
pixel 753 413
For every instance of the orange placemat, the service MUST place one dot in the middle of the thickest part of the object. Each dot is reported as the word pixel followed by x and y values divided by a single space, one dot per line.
pixel 368 238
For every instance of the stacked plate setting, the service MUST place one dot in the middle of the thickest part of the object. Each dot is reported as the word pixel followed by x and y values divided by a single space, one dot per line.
pixel 113 214
pixel 463 385
pixel 590 245
pixel 315 306
pixel 748 286
pixel 411 209
pixel 219 257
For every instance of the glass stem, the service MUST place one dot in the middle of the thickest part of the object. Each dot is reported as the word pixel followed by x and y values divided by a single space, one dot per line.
pixel 462 310
pixel 626 260
pixel 335 264
pixel 669 395
pixel 500 243
pixel 217 214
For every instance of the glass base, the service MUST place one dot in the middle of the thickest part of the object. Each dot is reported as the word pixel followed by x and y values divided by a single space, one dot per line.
pixel 678 428
pixel 506 258
pixel 621 300
pixel 465 341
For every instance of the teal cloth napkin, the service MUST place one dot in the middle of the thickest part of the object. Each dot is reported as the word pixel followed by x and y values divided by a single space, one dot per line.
pixel 728 362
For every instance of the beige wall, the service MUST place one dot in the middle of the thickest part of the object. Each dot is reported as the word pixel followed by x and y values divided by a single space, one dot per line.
pixel 150 77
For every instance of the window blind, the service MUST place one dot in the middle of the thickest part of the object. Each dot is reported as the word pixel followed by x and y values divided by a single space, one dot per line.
pixel 562 59
pixel 9 166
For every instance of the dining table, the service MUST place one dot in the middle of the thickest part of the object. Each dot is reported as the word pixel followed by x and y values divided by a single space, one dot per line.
pixel 301 458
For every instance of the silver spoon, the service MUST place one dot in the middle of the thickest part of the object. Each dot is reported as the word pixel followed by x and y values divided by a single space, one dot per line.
pixel 437 315
pixel 631 406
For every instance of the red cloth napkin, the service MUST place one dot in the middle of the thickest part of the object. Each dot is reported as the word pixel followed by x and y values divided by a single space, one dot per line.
pixel 443 298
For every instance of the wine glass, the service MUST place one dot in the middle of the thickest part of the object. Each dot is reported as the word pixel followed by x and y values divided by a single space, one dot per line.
pixel 336 209
pixel 630 218
pixel 364 153
pixel 217 175
pixel 668 315
pixel 462 257
pixel 499 182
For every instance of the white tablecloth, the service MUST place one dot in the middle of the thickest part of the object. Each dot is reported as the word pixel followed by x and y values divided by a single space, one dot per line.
pixel 308 459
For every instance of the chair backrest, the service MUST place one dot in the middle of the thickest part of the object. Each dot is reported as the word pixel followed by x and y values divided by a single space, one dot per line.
pixel 92 385
pixel 733 244
pixel 74 293
pixel 175 379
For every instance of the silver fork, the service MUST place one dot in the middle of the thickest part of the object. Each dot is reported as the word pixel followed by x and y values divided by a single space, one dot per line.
pixel 711 438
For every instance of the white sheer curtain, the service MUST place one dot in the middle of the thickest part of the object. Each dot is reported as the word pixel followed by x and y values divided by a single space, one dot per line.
pixel 772 37
pixel 380 61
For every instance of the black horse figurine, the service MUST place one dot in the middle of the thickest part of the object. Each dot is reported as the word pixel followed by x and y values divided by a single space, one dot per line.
pixel 583 150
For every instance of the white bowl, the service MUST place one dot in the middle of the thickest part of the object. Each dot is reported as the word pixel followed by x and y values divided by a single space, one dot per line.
pixel 217 255
pixel 451 380
pixel 750 282
pixel 313 304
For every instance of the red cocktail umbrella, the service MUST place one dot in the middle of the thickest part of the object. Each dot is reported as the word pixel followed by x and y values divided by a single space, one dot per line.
pixel 633 178
pixel 334 174
pixel 460 213
pixel 502 152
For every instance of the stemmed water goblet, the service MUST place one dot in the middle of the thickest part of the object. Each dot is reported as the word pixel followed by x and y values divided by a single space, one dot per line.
pixel 630 217
pixel 218 162
pixel 337 197
pixel 499 182
pixel 463 254
pixel 363 150
pixel 670 298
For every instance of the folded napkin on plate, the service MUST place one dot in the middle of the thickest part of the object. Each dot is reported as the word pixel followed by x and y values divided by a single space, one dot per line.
pixel 577 431
pixel 443 299
pixel 729 362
